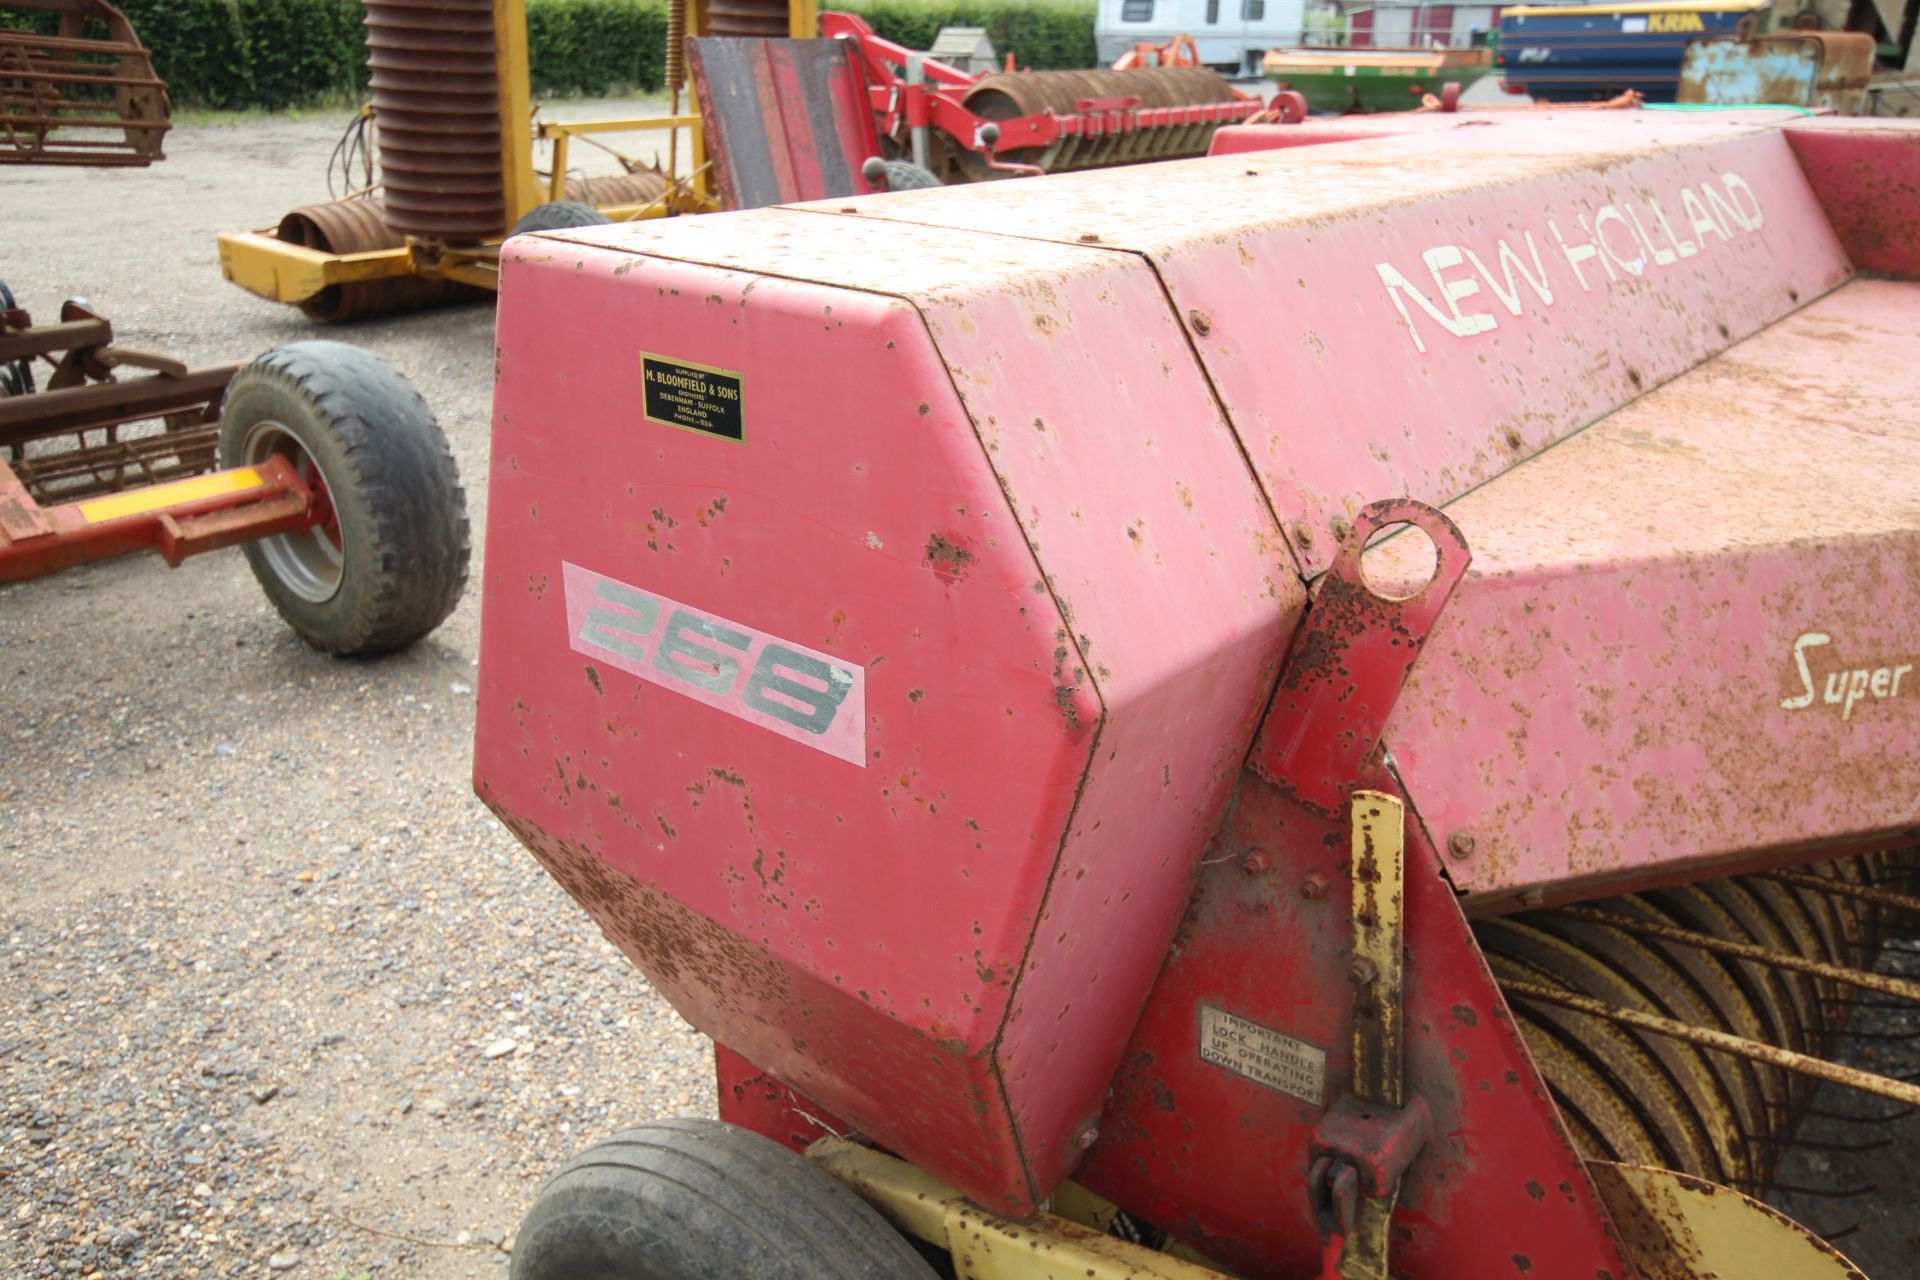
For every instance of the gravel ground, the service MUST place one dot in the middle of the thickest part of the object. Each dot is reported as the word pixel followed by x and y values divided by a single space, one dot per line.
pixel 277 995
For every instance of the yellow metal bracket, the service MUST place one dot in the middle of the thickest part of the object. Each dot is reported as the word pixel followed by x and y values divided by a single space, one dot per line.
pixel 1379 824
pixel 520 186
pixel 1683 1227
pixel 986 1246
pixel 1342 1201
pixel 283 272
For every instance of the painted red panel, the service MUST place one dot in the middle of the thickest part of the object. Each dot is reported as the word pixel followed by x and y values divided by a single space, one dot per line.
pixel 1345 386
pixel 1866 174
pixel 1220 1159
pixel 1016 453
pixel 1616 693
pixel 715 852
pixel 1007 497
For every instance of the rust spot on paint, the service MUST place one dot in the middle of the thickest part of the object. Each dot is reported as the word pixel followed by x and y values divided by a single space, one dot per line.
pixel 678 949
pixel 593 678
pixel 948 557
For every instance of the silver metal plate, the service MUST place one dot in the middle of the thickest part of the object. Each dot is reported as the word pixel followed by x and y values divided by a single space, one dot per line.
pixel 1263 1055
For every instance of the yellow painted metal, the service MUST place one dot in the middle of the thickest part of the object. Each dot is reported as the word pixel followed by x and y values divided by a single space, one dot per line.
pixel 803 19
pixel 986 1246
pixel 561 132
pixel 553 128
pixel 1678 1227
pixel 1378 823
pixel 1089 1209
pixel 480 268
pixel 1379 858
pixel 262 264
pixel 138 502
pixel 281 272
pixel 521 186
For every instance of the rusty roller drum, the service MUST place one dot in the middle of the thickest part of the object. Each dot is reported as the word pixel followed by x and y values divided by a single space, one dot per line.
pixel 1718 955
pixel 363 225
pixel 436 97
pixel 360 226
pixel 747 18
pixel 643 186
pixel 1009 95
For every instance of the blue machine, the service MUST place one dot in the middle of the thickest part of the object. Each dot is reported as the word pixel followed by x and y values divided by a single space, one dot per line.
pixel 1579 53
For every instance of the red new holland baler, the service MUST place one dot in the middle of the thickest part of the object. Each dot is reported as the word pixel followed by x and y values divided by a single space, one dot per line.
pixel 1346 707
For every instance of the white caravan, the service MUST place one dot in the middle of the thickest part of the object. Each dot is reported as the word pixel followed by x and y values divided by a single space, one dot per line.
pixel 1231 34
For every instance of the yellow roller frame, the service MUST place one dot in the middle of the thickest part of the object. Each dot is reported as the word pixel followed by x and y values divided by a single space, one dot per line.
pixel 261 263
pixel 986 1246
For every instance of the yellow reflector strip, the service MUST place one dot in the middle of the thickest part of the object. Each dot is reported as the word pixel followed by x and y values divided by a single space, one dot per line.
pixel 141 501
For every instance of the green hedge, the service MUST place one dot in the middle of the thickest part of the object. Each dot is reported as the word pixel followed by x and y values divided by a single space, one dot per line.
pixel 595 46
pixel 274 54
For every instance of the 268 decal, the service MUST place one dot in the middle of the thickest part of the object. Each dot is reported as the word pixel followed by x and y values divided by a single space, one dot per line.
pixel 794 691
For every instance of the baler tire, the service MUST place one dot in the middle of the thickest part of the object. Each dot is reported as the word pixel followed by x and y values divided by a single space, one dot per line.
pixel 689 1199
pixel 558 215
pixel 394 562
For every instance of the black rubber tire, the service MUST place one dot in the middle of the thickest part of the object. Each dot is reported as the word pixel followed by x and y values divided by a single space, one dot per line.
pixel 16 377
pixel 403 545
pixel 700 1200
pixel 557 216
pixel 899 175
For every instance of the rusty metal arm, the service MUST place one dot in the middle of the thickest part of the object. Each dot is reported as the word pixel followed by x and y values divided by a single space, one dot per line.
pixel 1707 1038
pixel 1848 889
pixel 1861 978
pixel 179 519
pixel 24 418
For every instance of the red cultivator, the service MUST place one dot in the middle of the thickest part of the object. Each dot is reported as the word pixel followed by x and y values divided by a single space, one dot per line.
pixel 964 127
pixel 94 465
pixel 1346 708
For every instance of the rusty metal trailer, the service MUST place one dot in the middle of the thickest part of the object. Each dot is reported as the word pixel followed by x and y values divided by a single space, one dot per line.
pixel 1345 708
pixel 84 93
pixel 319 458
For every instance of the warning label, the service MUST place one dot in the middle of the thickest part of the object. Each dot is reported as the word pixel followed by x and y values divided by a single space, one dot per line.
pixel 693 397
pixel 1262 1055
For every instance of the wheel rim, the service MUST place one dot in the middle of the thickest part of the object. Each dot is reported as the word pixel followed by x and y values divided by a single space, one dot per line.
pixel 311 562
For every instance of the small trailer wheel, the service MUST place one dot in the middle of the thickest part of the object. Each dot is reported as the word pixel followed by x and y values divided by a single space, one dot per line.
pixel 700 1200
pixel 558 215
pixel 16 377
pixel 388 559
